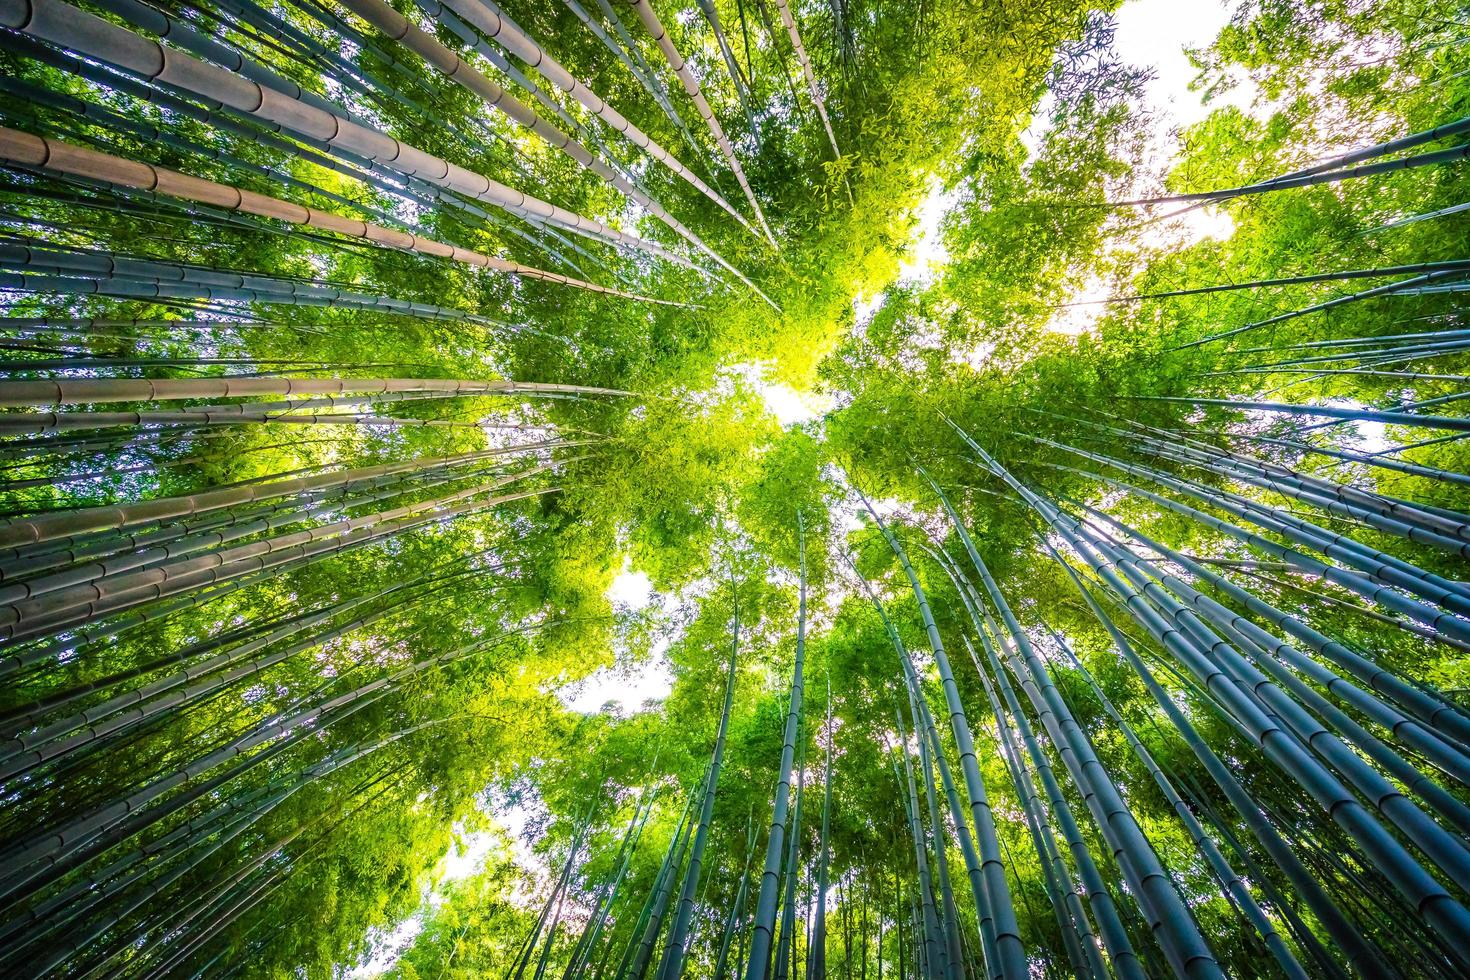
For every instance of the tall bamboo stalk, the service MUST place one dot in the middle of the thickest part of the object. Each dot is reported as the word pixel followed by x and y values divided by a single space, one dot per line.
pixel 672 966
pixel 1008 939
pixel 789 21
pixel 1439 909
pixel 70 159
pixel 763 927
pixel 696 94
pixel 396 26
pixel 66 25
pixel 818 969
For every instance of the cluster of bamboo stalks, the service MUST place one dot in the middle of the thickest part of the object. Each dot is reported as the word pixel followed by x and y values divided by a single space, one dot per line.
pixel 97 881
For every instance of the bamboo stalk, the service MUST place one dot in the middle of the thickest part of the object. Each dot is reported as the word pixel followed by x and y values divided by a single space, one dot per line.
pixel 396 26
pixel 67 158
pixel 1442 912
pixel 64 24
pixel 789 21
pixel 695 93
pixel 763 926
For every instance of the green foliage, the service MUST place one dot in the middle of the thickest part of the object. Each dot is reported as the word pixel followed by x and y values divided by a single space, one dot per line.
pixel 438 658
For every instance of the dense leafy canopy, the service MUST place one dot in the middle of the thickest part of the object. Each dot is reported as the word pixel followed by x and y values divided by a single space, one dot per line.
pixel 1107 615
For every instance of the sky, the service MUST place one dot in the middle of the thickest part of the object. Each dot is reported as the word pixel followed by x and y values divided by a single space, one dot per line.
pixel 1154 34
pixel 789 406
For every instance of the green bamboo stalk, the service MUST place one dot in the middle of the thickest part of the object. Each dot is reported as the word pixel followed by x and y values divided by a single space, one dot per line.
pixel 763 927
pixel 1008 939
pixel 1442 912
pixel 1439 845
pixel 818 970
pixel 945 907
pixel 1226 875
pixel 736 912
pixel 933 945
pixel 672 966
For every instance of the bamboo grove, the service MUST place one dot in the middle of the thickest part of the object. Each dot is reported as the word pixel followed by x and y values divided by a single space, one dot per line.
pixel 1101 611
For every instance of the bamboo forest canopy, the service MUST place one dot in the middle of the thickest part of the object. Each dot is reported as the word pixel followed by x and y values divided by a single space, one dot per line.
pixel 742 489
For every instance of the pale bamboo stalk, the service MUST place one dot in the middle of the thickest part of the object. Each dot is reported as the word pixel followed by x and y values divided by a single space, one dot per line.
pixel 494 24
pixel 396 26
pixel 784 9
pixel 38 422
pixel 114 553
pixel 189 422
pixel 73 391
pixel 61 23
pixel 286 406
pixel 78 161
pixel 189 38
pixel 737 78
pixel 61 260
pixel 627 54
pixel 93 633
pixel 691 87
